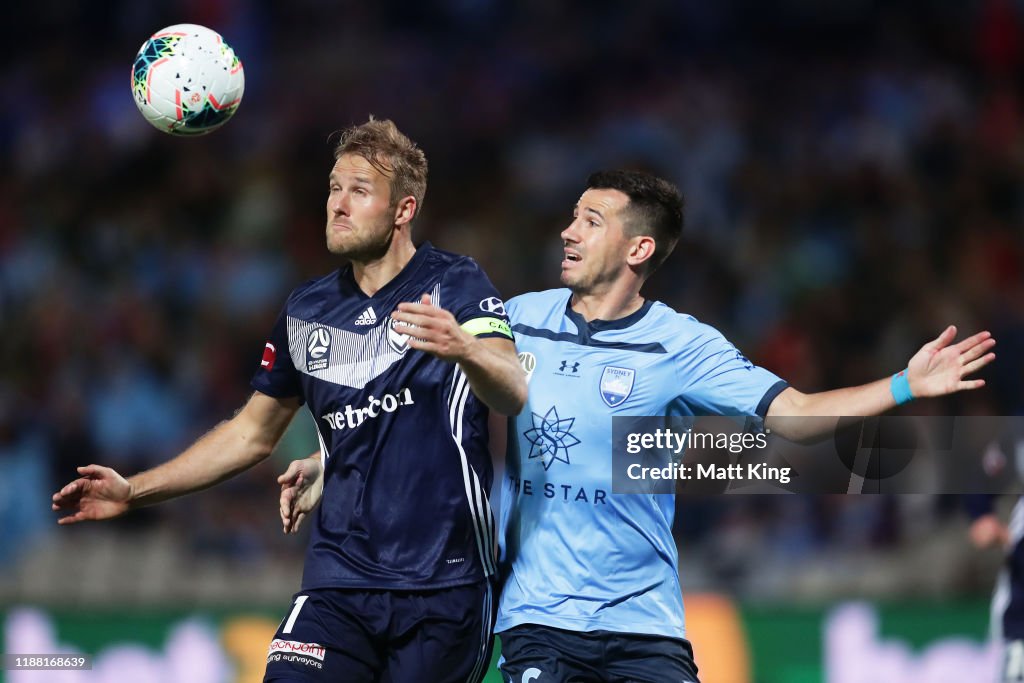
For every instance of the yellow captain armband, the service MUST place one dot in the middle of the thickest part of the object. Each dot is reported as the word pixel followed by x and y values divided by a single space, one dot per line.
pixel 478 326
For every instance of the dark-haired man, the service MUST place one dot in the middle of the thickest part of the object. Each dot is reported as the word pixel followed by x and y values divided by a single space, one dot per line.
pixel 591 589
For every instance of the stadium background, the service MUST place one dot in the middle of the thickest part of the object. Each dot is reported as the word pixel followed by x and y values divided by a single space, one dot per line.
pixel 852 170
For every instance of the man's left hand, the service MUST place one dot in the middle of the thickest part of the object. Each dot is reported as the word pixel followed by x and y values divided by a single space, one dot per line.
pixel 939 368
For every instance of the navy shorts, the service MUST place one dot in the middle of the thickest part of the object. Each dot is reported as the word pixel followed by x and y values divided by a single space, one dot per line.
pixel 364 636
pixel 541 654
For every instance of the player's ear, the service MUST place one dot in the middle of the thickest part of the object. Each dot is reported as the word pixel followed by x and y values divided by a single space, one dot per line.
pixel 405 210
pixel 641 249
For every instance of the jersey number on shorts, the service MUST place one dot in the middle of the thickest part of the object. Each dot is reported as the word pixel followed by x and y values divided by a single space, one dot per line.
pixel 299 602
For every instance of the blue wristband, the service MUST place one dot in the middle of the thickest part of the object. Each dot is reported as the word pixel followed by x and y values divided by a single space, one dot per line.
pixel 900 388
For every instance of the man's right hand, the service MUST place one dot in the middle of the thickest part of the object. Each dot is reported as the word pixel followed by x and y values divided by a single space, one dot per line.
pixel 301 487
pixel 988 531
pixel 100 493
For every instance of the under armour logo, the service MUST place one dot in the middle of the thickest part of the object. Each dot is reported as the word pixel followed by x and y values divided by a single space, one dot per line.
pixel 574 367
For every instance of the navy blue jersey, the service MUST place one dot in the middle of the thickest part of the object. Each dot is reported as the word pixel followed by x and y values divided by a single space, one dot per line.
pixel 1006 450
pixel 407 468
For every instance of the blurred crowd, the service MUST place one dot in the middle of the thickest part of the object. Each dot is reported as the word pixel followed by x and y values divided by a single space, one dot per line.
pixel 852 175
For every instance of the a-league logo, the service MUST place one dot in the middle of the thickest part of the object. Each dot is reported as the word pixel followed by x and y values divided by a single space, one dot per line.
pixel 528 362
pixel 318 349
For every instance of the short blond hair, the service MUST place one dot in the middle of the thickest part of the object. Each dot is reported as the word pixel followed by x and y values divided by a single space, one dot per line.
pixel 392 153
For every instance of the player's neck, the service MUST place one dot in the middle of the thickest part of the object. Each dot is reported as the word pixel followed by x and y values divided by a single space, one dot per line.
pixel 610 304
pixel 374 274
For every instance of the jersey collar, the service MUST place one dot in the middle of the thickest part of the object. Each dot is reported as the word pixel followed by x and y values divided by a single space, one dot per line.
pixel 404 275
pixel 594 326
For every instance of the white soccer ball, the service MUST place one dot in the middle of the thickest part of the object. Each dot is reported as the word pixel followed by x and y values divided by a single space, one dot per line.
pixel 186 80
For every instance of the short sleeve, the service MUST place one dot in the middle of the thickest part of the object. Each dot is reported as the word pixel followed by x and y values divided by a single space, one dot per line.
pixel 277 375
pixel 718 380
pixel 472 299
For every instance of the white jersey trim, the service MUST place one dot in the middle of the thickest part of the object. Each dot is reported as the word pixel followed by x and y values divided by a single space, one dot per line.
pixel 479 508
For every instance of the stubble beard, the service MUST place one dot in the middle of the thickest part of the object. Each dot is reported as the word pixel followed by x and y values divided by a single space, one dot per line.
pixel 367 247
pixel 573 281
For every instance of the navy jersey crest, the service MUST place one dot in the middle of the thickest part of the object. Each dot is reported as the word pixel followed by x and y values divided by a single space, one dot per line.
pixel 407 467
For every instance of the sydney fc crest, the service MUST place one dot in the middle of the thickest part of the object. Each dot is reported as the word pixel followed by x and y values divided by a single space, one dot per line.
pixel 318 349
pixel 616 385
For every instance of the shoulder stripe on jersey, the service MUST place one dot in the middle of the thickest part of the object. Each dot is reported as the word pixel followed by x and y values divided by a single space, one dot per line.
pixel 480 527
pixel 458 381
pixel 483 518
pixel 479 508
pixel 1017 523
pixel 648 347
pixel 479 501
pixel 1000 601
pixel 324 453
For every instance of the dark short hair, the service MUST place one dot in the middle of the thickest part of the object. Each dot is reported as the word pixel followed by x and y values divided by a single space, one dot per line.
pixel 392 153
pixel 655 208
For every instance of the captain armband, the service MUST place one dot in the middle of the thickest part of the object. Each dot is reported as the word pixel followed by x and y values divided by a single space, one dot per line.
pixel 479 326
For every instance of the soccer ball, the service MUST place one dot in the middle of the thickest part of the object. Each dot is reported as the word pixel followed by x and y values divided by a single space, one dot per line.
pixel 186 80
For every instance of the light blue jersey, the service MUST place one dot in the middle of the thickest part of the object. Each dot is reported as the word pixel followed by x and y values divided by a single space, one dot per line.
pixel 577 556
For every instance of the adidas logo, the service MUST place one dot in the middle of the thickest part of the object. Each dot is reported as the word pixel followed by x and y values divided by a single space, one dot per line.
pixel 367 317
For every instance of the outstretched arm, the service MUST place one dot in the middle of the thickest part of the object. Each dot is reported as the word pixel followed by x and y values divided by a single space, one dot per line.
pixel 937 369
pixel 230 448
pixel 490 364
